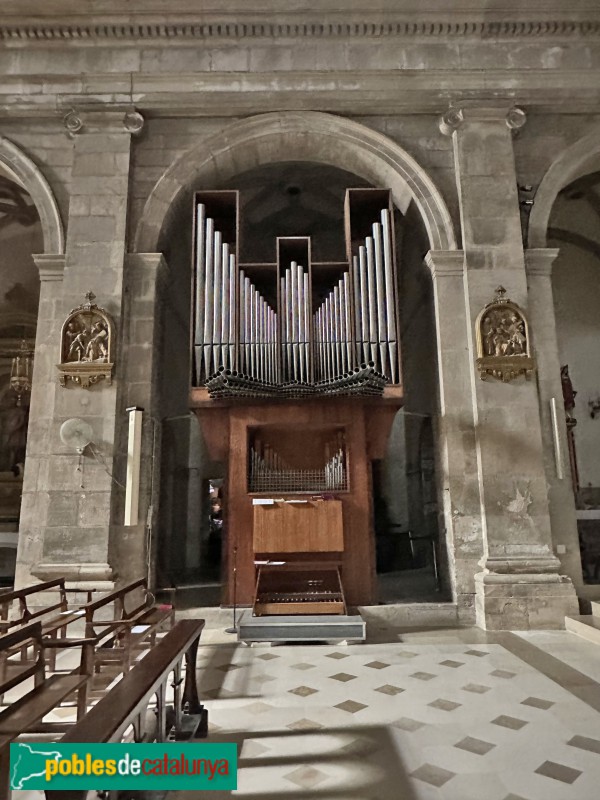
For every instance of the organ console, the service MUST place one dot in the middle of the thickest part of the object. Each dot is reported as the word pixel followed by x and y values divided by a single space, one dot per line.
pixel 298 547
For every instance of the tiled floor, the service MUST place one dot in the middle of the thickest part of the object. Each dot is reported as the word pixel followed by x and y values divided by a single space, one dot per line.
pixel 444 714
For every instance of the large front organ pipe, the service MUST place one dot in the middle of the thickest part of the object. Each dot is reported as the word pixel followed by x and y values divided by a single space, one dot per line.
pixel 225 310
pixel 348 321
pixel 200 285
pixel 293 301
pixel 285 367
pixel 364 303
pixel 232 314
pixel 379 275
pixel 372 295
pixel 307 327
pixel 389 292
pixel 208 297
pixel 217 301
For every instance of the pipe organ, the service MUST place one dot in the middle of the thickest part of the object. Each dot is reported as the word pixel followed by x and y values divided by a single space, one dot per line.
pixel 296 383
pixel 296 327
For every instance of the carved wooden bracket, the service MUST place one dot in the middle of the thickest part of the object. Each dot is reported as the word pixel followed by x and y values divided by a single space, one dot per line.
pixel 503 344
pixel 86 345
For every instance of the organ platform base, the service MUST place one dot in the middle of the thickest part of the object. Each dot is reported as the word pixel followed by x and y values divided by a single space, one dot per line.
pixel 301 628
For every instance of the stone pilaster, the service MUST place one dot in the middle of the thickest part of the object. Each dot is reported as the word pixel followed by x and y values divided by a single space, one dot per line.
pixel 520 586
pixel 79 508
pixel 457 453
pixel 35 513
pixel 563 520
pixel 145 274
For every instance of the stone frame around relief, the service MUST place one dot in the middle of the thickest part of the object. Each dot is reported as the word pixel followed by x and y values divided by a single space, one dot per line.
pixel 503 341
pixel 87 341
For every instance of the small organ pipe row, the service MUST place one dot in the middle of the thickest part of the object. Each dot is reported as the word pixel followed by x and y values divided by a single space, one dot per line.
pixel 268 472
pixel 349 343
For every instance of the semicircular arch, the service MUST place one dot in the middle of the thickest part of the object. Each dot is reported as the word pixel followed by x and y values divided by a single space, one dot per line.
pixel 579 159
pixel 299 136
pixel 32 179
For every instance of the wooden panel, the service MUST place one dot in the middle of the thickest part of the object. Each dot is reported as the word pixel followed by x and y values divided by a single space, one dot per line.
pixel 313 526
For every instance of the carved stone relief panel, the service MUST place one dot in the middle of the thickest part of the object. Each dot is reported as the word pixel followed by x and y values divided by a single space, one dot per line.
pixel 86 345
pixel 503 345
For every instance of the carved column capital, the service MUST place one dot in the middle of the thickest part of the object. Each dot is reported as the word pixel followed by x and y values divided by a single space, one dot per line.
pixel 51 266
pixel 452 119
pixel 540 261
pixel 445 263
pixel 152 265
pixel 113 120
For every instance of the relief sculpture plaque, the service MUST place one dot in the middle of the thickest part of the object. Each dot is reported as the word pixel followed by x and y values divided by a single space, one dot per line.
pixel 503 346
pixel 86 345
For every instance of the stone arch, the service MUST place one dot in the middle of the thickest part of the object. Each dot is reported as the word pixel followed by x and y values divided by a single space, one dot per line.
pixel 300 136
pixel 580 158
pixel 32 179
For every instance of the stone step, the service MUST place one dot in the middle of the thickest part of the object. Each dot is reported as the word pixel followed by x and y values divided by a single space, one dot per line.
pixel 595 608
pixel 301 628
pixel 585 625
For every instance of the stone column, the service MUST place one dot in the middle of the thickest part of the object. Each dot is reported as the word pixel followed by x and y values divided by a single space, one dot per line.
pixel 520 586
pixel 458 475
pixel 79 508
pixel 563 519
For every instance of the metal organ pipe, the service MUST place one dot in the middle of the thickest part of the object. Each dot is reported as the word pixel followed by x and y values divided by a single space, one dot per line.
pixel 307 330
pixel 232 313
pixel 200 286
pixel 216 298
pixel 208 296
pixel 364 302
pixel 379 280
pixel 389 293
pixel 372 297
pixel 224 299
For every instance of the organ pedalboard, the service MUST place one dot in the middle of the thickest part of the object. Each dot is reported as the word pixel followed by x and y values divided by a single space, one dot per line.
pixel 298 548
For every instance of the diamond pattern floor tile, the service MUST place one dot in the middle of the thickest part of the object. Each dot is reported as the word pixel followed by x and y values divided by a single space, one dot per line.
pixel 477 746
pixel 559 772
pixel 436 776
pixel 509 722
pixel 351 706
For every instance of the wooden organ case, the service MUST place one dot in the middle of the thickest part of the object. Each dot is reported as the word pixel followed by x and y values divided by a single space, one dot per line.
pixel 296 384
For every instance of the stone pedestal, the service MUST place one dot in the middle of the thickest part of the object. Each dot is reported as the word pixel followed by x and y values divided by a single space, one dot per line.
pixel 519 586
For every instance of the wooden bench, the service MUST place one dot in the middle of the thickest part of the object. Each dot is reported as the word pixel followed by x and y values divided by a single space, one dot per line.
pixel 116 639
pixel 26 714
pixel 126 703
pixel 55 617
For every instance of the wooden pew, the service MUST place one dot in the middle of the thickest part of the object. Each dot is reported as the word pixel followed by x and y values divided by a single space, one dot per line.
pixel 55 617
pixel 26 714
pixel 126 703
pixel 117 639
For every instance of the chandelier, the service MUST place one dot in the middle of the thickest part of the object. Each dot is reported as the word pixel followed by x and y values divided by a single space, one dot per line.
pixel 21 371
